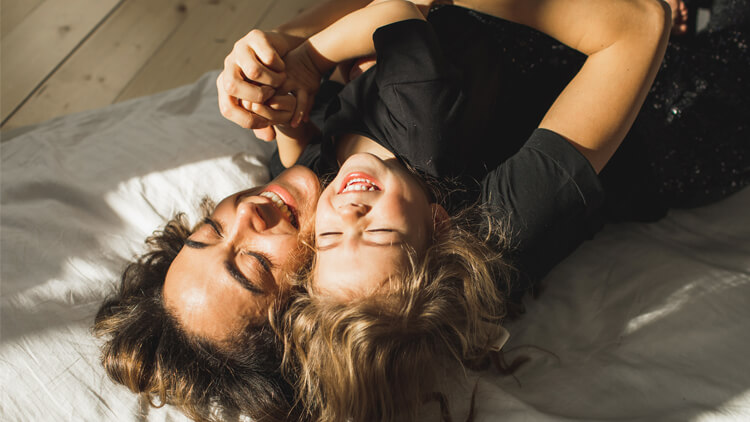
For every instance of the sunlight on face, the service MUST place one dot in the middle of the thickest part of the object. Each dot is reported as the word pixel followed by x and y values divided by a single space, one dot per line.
pixel 367 219
pixel 230 270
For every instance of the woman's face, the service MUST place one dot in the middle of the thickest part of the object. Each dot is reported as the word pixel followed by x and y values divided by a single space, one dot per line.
pixel 231 267
pixel 366 220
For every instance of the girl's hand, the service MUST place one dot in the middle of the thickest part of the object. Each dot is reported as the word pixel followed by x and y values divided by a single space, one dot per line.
pixel 302 81
pixel 291 141
pixel 277 110
pixel 251 72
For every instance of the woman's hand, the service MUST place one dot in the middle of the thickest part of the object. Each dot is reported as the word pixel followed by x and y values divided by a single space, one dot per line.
pixel 679 16
pixel 277 110
pixel 302 81
pixel 251 72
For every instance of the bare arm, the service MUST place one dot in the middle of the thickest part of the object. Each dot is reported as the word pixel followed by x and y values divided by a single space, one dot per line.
pixel 348 38
pixel 625 42
pixel 257 56
pixel 314 20
pixel 351 36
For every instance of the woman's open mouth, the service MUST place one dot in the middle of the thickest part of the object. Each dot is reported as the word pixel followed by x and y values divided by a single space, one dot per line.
pixel 279 203
pixel 359 182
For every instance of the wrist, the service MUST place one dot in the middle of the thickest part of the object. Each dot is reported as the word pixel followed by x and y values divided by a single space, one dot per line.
pixel 315 58
pixel 284 42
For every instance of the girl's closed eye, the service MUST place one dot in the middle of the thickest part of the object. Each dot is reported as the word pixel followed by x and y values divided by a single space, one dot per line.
pixel 326 239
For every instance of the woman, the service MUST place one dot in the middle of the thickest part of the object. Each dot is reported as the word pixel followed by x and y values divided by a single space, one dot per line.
pixel 189 323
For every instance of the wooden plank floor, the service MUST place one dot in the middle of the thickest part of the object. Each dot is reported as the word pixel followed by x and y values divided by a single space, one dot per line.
pixel 64 56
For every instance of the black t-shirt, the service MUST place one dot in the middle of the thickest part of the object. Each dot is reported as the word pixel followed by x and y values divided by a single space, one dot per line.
pixel 445 114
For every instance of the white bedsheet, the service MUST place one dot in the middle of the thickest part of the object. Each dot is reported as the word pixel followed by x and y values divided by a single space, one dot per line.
pixel 645 322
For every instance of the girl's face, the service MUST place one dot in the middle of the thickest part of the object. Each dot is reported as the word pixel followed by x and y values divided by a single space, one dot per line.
pixel 366 220
pixel 231 268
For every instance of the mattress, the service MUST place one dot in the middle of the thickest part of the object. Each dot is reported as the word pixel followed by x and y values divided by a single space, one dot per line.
pixel 644 322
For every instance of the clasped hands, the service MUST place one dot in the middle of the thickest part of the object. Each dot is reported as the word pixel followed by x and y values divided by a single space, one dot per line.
pixel 269 79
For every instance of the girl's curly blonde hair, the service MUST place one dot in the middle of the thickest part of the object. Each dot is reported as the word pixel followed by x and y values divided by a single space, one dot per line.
pixel 375 358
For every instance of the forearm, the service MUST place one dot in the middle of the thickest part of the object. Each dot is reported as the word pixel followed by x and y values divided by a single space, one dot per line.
pixel 314 20
pixel 597 108
pixel 625 42
pixel 351 36
pixel 292 141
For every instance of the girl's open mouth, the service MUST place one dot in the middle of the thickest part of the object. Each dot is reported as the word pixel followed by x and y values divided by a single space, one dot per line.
pixel 359 182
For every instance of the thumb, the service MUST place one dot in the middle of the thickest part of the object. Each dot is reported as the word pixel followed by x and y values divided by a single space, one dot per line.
pixel 266 134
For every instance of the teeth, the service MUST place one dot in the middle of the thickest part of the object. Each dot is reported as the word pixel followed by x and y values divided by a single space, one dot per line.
pixel 279 203
pixel 360 184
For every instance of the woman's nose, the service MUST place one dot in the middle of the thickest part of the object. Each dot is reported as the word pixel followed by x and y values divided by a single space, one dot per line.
pixel 248 217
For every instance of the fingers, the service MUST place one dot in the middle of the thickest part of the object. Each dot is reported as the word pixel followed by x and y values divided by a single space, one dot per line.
pixel 253 70
pixel 680 18
pixel 258 61
pixel 277 110
pixel 231 82
pixel 231 110
pixel 301 109
pixel 267 54
pixel 265 134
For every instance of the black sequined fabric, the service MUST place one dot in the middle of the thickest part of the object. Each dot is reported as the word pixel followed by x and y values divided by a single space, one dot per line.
pixel 690 144
pixel 696 118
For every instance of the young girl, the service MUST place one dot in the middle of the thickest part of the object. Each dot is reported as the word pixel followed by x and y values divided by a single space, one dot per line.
pixel 363 279
pixel 396 287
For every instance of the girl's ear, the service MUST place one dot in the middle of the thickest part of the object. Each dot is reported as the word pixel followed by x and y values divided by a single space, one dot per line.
pixel 440 216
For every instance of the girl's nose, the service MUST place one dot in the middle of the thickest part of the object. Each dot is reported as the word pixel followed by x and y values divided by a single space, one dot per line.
pixel 352 211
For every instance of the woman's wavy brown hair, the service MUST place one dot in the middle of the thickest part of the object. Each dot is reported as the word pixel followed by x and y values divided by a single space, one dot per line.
pixel 376 357
pixel 148 351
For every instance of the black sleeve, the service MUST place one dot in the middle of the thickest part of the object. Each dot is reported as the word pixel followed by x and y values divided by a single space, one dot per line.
pixel 408 51
pixel 419 95
pixel 309 158
pixel 550 198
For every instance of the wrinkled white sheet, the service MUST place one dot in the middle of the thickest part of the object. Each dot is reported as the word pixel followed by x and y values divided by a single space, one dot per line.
pixel 645 322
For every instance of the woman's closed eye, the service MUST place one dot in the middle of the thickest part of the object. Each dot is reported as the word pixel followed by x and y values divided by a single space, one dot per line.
pixel 217 229
pixel 264 260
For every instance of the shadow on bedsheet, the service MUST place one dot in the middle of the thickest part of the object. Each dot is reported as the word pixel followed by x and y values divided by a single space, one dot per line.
pixel 647 322
pixel 80 193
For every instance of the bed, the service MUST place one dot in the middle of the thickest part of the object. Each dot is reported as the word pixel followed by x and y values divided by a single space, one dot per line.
pixel 644 322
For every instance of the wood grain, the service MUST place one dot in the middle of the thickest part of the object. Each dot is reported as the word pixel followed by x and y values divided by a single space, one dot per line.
pixel 13 12
pixel 104 65
pixel 42 41
pixel 63 56
pixel 198 46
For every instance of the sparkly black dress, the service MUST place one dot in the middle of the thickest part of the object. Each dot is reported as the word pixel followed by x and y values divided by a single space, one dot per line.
pixel 690 144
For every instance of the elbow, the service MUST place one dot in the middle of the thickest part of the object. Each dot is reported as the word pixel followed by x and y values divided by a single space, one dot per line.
pixel 655 19
pixel 403 9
